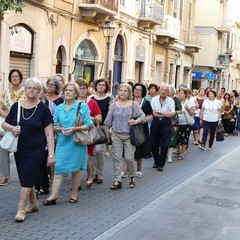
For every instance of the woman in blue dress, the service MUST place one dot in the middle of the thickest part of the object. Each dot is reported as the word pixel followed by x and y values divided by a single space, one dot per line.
pixel 64 121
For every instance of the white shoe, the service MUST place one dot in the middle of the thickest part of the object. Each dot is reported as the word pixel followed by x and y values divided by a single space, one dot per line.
pixel 170 160
pixel 124 175
pixel 138 174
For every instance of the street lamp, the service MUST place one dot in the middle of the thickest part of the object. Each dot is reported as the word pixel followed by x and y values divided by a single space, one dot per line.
pixel 108 32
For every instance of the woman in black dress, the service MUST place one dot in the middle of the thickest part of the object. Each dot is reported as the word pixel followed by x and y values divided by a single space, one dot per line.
pixel 35 132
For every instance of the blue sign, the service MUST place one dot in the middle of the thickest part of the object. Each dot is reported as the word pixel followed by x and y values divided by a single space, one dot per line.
pixel 197 74
pixel 210 75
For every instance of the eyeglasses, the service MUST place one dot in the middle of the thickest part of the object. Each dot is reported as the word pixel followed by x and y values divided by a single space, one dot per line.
pixel 102 85
pixel 138 89
pixel 51 84
pixel 82 89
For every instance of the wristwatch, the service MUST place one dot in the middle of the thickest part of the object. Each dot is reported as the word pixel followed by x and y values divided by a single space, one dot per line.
pixel 50 156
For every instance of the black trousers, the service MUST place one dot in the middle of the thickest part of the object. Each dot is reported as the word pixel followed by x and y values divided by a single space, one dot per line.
pixel 161 131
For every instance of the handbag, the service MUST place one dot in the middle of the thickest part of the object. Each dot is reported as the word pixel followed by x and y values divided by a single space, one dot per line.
pixel 84 137
pixel 9 141
pixel 102 130
pixel 189 118
pixel 137 134
pixel 2 132
pixel 220 134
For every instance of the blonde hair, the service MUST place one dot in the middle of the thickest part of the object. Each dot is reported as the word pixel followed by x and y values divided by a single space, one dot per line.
pixel 128 87
pixel 76 88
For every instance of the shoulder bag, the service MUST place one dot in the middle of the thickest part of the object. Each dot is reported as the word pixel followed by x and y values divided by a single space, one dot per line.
pixel 137 134
pixel 84 137
pixel 9 141
pixel 189 118
pixel 102 130
pixel 220 133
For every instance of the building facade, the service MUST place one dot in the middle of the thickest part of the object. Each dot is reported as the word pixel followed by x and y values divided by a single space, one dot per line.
pixel 217 64
pixel 151 40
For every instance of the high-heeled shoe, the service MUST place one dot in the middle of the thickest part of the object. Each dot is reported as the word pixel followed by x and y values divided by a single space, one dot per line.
pixel 50 202
pixel 20 217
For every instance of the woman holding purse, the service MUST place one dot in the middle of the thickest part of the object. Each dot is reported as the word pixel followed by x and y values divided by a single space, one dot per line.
pixel 119 119
pixel 34 132
pixel 64 123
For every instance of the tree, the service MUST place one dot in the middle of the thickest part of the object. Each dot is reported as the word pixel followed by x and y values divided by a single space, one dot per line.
pixel 11 5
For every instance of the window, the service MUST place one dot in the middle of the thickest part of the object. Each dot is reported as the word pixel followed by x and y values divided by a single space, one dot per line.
pixel 122 3
pixel 175 8
pixel 181 12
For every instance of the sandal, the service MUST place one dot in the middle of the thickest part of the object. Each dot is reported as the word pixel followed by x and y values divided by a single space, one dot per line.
pixel 100 179
pixel 89 184
pixel 139 174
pixel 116 185
pixel 132 182
pixel 180 157
pixel 72 200
pixel 20 217
pixel 95 177
pixel 31 208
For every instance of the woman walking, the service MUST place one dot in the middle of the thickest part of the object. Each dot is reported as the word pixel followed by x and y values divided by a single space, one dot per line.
pixel 35 132
pixel 121 115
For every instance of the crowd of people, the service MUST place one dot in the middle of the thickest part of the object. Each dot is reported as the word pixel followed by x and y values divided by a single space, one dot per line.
pixel 48 117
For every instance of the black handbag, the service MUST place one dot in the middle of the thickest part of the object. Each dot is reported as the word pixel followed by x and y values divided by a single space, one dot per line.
pixel 102 130
pixel 137 134
pixel 220 134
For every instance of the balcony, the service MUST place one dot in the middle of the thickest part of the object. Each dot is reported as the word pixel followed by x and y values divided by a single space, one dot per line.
pixel 193 41
pixel 169 31
pixel 98 9
pixel 149 13
pixel 225 25
pixel 223 61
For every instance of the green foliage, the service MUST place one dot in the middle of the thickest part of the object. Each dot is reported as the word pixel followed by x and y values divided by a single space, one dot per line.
pixel 11 5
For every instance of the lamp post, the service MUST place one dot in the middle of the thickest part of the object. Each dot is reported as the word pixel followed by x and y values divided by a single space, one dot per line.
pixel 108 32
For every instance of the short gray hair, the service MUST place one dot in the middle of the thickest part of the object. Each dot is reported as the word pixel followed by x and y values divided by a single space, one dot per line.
pixel 35 81
pixel 56 82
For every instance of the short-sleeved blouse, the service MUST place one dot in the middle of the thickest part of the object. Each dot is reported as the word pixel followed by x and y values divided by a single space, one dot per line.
pixel 70 157
pixel 118 117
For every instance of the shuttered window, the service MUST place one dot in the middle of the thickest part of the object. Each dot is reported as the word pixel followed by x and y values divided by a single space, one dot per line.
pixel 21 62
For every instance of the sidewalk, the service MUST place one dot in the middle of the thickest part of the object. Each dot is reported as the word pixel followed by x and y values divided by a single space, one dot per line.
pixel 204 207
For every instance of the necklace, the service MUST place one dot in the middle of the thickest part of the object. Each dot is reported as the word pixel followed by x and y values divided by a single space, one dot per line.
pixel 210 110
pixel 27 118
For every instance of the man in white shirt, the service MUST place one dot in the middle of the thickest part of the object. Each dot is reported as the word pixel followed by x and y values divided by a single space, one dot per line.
pixel 161 129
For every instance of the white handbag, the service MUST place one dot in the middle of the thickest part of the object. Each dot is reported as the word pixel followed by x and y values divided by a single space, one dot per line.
pixel 189 118
pixel 9 141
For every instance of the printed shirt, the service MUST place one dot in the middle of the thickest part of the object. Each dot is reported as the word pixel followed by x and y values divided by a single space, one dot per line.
pixel 15 96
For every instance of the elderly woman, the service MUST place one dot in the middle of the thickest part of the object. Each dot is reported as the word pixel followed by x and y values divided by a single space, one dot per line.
pixel 123 113
pixel 35 132
pixel 152 91
pixel 184 128
pixel 95 114
pixel 10 96
pixel 64 124
pixel 103 100
pixel 52 99
pixel 143 150
pixel 210 117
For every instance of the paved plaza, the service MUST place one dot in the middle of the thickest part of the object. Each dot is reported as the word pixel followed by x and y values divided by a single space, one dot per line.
pixel 197 198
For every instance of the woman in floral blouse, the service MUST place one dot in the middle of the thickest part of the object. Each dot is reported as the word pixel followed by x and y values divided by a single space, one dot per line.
pixel 10 96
